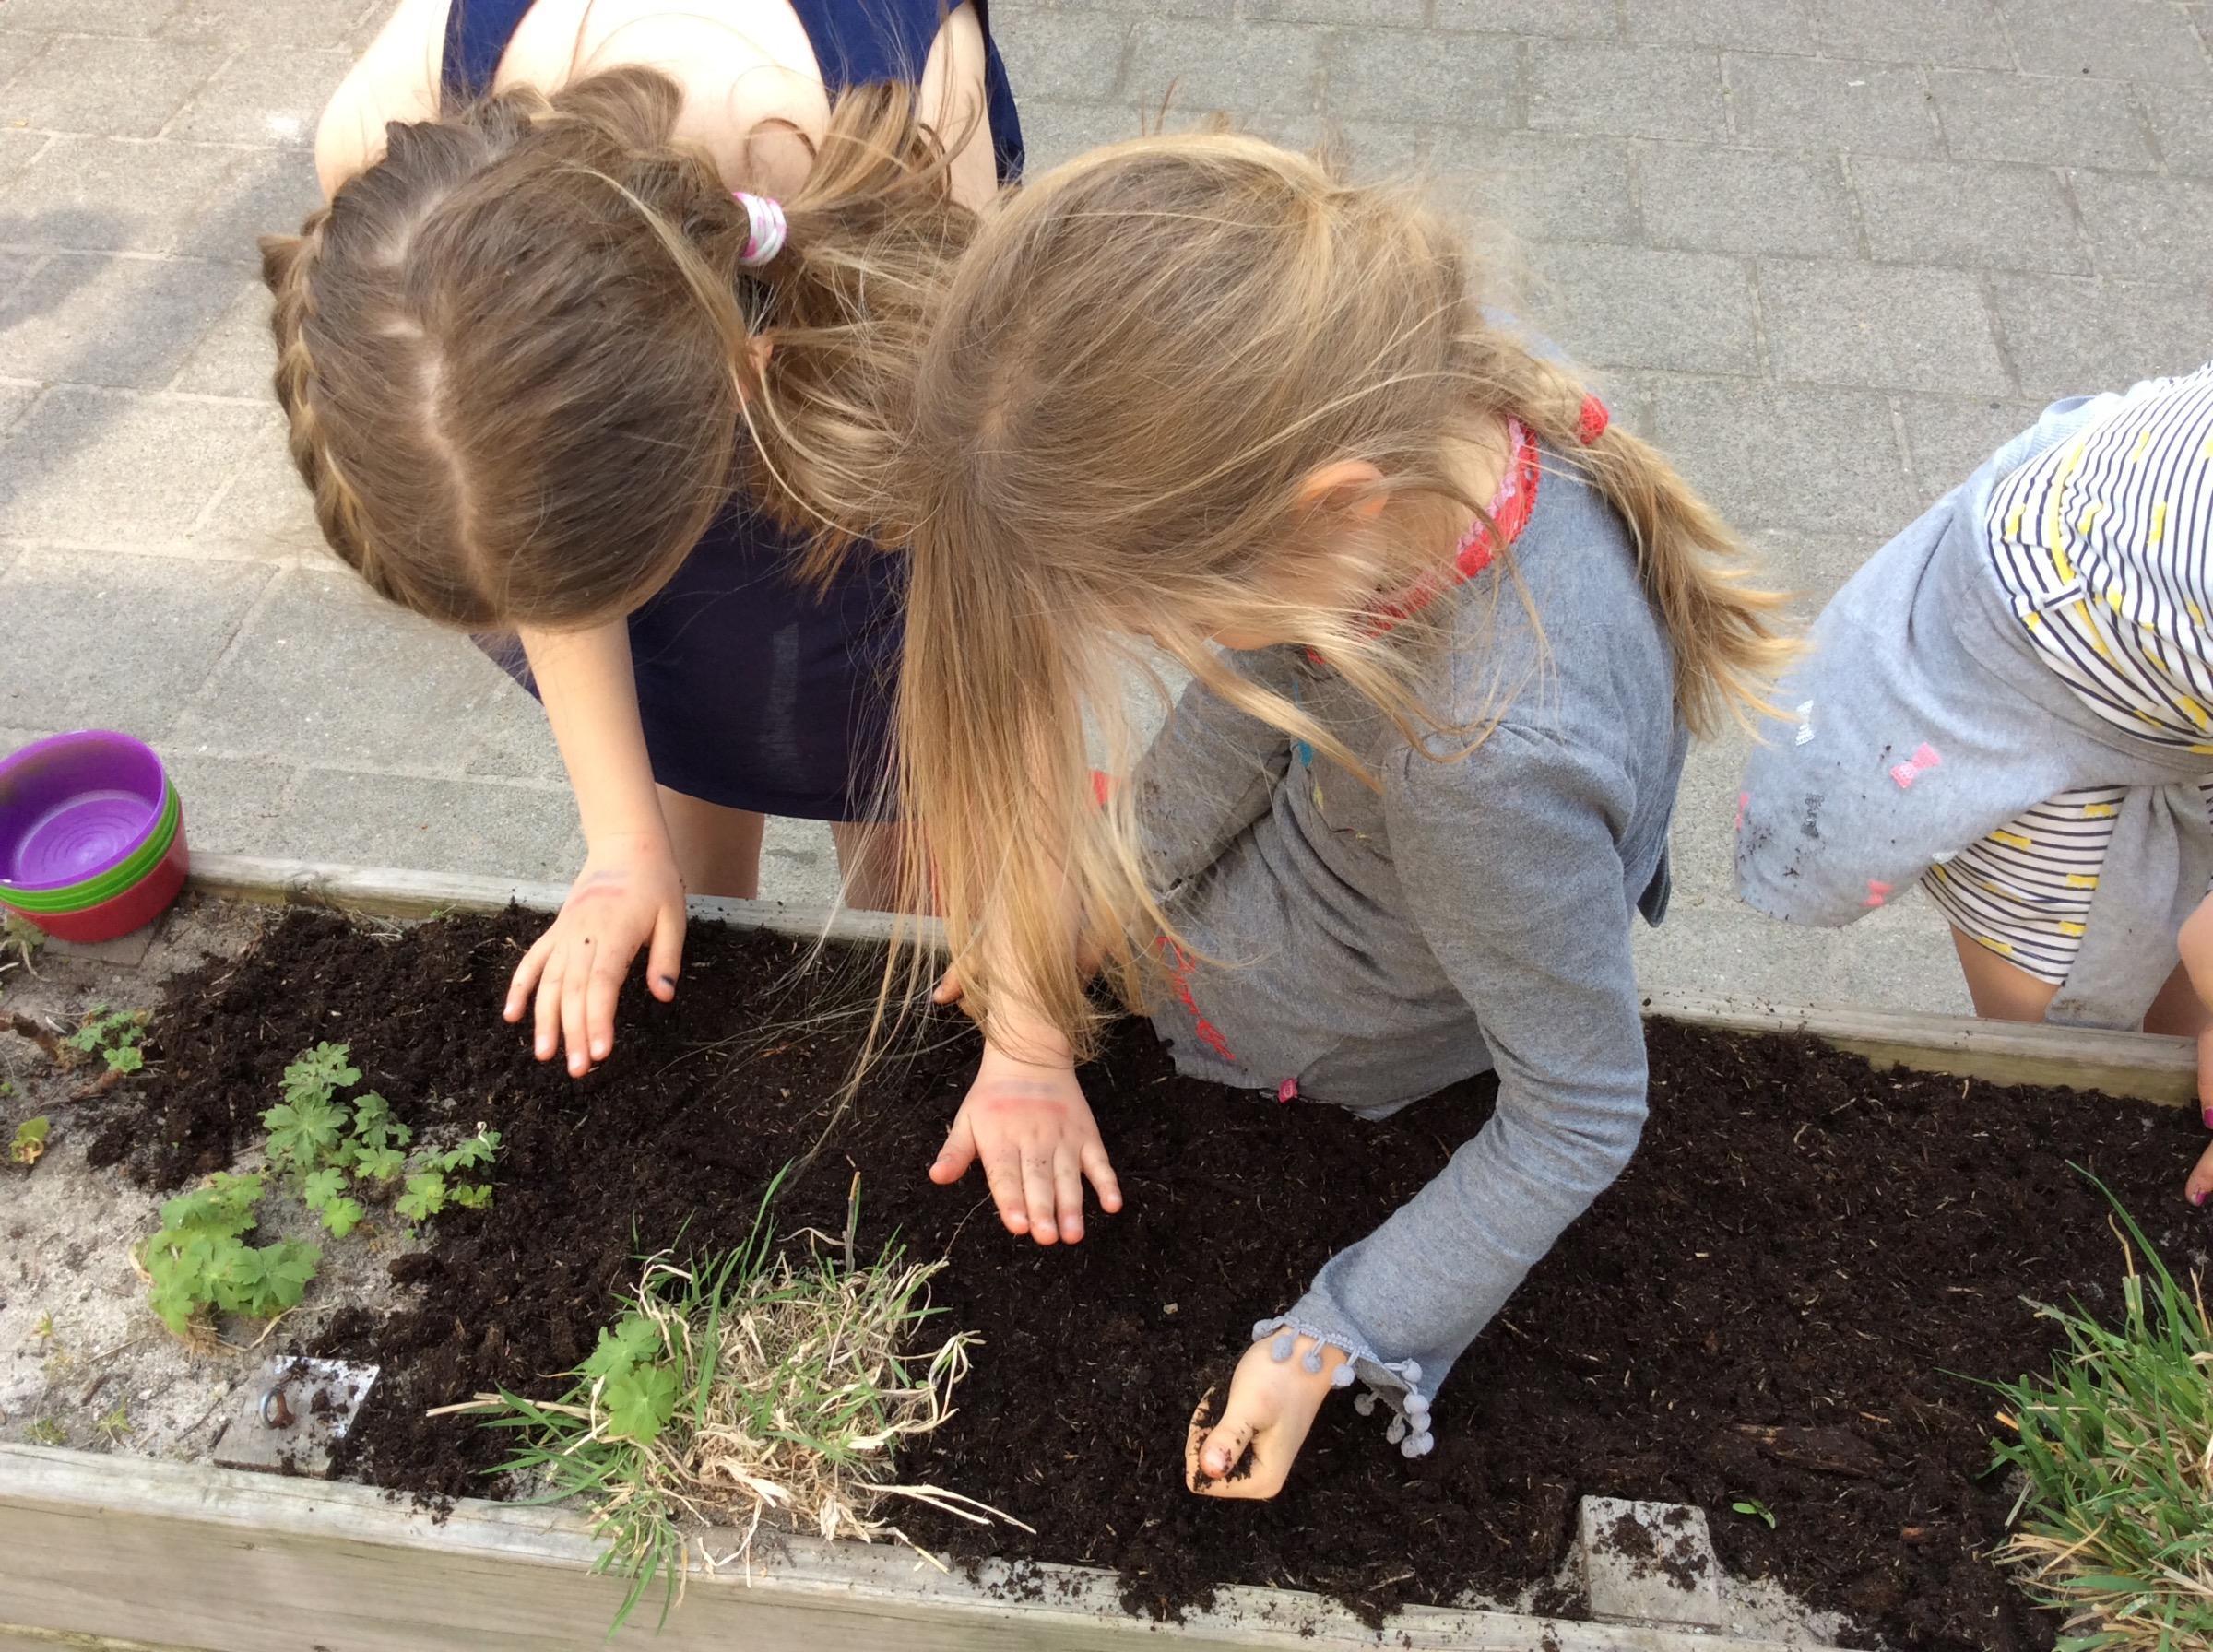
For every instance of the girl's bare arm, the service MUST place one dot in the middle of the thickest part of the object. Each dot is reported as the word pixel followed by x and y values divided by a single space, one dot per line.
pixel 630 894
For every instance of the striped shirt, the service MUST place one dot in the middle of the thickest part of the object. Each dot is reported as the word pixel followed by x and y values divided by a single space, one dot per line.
pixel 2104 547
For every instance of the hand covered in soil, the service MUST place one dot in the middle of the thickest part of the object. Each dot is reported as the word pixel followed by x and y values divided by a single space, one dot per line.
pixel 1030 1124
pixel 628 895
pixel 1271 1405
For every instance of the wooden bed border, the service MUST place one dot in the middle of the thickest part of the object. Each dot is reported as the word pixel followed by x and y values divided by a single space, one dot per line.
pixel 120 1554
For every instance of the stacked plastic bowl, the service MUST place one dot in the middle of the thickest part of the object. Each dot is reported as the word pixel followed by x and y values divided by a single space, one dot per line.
pixel 92 835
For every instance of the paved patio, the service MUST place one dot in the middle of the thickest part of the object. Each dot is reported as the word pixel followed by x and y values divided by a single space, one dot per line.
pixel 1829 252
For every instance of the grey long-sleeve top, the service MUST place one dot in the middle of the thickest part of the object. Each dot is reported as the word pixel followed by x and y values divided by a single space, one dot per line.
pixel 1374 946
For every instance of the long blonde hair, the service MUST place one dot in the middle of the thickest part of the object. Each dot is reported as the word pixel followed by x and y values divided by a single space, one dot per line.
pixel 518 351
pixel 1145 357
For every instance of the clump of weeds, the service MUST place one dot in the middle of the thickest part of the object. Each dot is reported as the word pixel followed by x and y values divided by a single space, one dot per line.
pixel 745 1389
pixel 334 1155
pixel 2114 1523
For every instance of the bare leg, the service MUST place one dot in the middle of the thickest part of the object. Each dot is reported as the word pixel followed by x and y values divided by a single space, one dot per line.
pixel 2178 1010
pixel 2003 992
pixel 717 849
pixel 868 859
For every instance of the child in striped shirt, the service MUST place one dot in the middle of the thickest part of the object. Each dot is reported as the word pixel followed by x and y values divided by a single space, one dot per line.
pixel 2011 703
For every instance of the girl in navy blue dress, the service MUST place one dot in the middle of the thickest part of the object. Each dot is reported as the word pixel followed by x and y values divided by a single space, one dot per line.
pixel 588 312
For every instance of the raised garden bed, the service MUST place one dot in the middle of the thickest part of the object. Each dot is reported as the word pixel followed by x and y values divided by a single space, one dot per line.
pixel 1764 1311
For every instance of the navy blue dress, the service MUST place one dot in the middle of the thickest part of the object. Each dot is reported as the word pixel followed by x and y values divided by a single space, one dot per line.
pixel 756 692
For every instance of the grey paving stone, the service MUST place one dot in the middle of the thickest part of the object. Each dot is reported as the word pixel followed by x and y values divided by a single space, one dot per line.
pixel 1788 457
pixel 1745 25
pixel 1878 325
pixel 1962 33
pixel 1900 957
pixel 799 863
pixel 1388 75
pixel 89 17
pixel 372 820
pixel 1543 186
pixel 2159 228
pixel 1259 69
pixel 15 401
pixel 1629 307
pixel 1820 104
pixel 1745 201
pixel 9 555
pixel 87 319
pixel 2181 122
pixel 1594 18
pixel 325 673
pixel 232 805
pixel 2053 120
pixel 1360 14
pixel 1811 565
pixel 116 641
pixel 1626 91
pixel 18 149
pixel 237 355
pixel 1054 132
pixel 267 95
pixel 117 88
pixel 266 510
pixel 1079 56
pixel 105 194
pixel 292 23
pixel 1967 213
pixel 18 52
pixel 1949 437
pixel 515 742
pixel 2069 337
pixel 100 467
pixel 265 193
pixel 2137 39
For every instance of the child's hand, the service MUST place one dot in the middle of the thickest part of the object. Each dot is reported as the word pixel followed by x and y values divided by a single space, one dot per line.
pixel 628 895
pixel 1029 1123
pixel 1272 1406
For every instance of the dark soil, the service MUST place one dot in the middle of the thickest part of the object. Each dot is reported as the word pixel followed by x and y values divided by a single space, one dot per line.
pixel 1767 1306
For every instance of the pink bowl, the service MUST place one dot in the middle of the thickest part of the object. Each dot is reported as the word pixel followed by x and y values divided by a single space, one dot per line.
pixel 134 909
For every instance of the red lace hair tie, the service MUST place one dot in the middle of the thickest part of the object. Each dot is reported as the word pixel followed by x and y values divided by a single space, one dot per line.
pixel 1592 423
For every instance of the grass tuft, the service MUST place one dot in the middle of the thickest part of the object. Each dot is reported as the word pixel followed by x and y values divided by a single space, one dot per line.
pixel 2113 1526
pixel 743 1389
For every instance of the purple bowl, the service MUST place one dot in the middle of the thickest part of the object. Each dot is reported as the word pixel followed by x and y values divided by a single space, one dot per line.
pixel 75 806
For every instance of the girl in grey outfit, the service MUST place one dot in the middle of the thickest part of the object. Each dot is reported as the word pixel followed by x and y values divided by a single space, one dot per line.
pixel 2009 705
pixel 1398 833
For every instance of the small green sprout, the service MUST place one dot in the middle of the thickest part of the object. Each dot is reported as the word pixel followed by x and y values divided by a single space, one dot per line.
pixel 112 1034
pixel 47 1432
pixel 1755 1509
pixel 43 1330
pixel 114 1425
pixel 29 1144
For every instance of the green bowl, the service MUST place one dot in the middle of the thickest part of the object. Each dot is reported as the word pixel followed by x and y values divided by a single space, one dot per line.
pixel 92 891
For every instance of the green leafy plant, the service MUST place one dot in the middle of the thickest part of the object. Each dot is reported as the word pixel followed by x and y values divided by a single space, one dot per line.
pixel 112 1034
pixel 306 1128
pixel 47 1432
pixel 2115 1522
pixel 200 1262
pixel 323 1192
pixel 28 1145
pixel 114 1425
pixel 742 1387
pixel 1753 1508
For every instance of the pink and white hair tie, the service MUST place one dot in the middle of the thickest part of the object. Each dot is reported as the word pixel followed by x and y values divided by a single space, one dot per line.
pixel 766 237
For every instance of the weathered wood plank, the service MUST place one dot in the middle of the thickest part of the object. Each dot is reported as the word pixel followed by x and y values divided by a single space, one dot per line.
pixel 2131 1064
pixel 144 1551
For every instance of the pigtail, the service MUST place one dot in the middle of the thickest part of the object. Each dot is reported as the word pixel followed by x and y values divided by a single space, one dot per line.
pixel 1727 635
